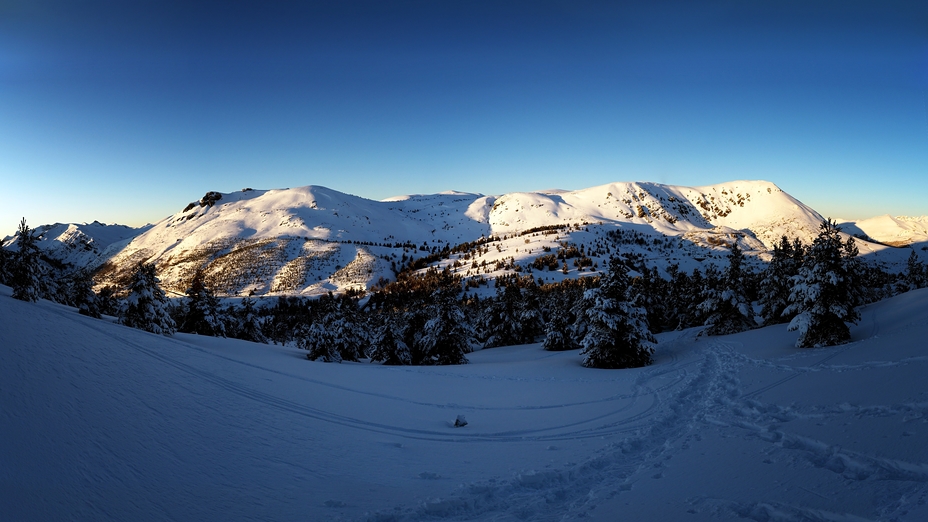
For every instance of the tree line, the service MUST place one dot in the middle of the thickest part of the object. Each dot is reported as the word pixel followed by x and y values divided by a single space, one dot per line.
pixel 427 317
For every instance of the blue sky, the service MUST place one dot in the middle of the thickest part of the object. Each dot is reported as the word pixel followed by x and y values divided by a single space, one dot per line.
pixel 126 111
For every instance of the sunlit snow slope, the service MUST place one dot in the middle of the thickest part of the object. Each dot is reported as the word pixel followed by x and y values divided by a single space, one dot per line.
pixel 311 240
pixel 103 422
pixel 896 231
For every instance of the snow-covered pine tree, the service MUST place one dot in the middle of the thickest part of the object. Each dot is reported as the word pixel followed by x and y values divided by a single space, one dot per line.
pixel 855 280
pixel 318 340
pixel 775 285
pixel 146 306
pixel 820 296
pixel 387 344
pixel 557 332
pixel 501 325
pixel 445 336
pixel 727 306
pixel 244 322
pixel 83 296
pixel 650 288
pixel 202 314
pixel 676 304
pixel 335 334
pixel 26 271
pixel 528 313
pixel 618 335
pixel 692 294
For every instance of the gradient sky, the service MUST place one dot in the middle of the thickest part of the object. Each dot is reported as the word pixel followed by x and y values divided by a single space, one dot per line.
pixel 125 111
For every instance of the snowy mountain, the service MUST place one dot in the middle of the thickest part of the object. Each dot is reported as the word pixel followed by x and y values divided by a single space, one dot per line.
pixel 310 240
pixel 104 422
pixel 85 244
pixel 893 231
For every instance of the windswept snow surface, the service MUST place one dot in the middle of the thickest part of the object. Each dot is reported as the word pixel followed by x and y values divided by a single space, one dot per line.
pixel 102 422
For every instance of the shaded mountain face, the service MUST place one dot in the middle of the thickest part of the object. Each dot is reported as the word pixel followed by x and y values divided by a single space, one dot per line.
pixel 312 240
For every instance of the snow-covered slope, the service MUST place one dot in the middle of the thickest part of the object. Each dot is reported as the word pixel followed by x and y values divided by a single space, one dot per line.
pixel 83 244
pixel 895 231
pixel 310 240
pixel 103 422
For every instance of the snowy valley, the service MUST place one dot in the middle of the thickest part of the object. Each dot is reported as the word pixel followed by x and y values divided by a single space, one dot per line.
pixel 105 422
pixel 473 334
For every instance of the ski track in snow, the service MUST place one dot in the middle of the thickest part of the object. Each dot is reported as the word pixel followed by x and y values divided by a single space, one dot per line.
pixel 699 388
pixel 713 396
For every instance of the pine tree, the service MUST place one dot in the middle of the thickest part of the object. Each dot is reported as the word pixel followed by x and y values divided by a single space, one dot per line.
pixel 500 317
pixel 83 296
pixel 855 275
pixel 26 271
pixel 319 341
pixel 557 332
pixel 334 335
pixel 649 287
pixel 676 303
pixel 146 306
pixel 5 262
pixel 444 337
pixel 244 322
pixel 728 308
pixel 820 296
pixel 775 285
pixel 387 344
pixel 107 302
pixel 915 275
pixel 618 335
pixel 202 314
pixel 528 313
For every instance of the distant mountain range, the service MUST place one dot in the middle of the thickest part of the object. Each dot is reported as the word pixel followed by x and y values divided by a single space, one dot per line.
pixel 311 240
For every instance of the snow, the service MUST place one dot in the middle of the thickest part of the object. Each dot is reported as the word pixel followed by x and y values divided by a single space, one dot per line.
pixel 81 244
pixel 103 422
pixel 311 240
pixel 891 230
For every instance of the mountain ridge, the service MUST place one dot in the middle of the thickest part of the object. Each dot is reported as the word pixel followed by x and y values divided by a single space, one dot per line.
pixel 313 239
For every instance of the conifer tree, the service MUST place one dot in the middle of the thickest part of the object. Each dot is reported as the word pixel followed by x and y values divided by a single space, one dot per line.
pixel 915 275
pixel 676 302
pixel 528 311
pixel 444 337
pixel 83 296
pixel 5 261
pixel 202 314
pixel 728 308
pixel 318 339
pixel 775 285
pixel 107 301
pixel 557 332
pixel 855 275
pixel 820 296
pixel 693 295
pixel 146 306
pixel 244 322
pixel 500 317
pixel 387 344
pixel 618 335
pixel 26 270
pixel 334 336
